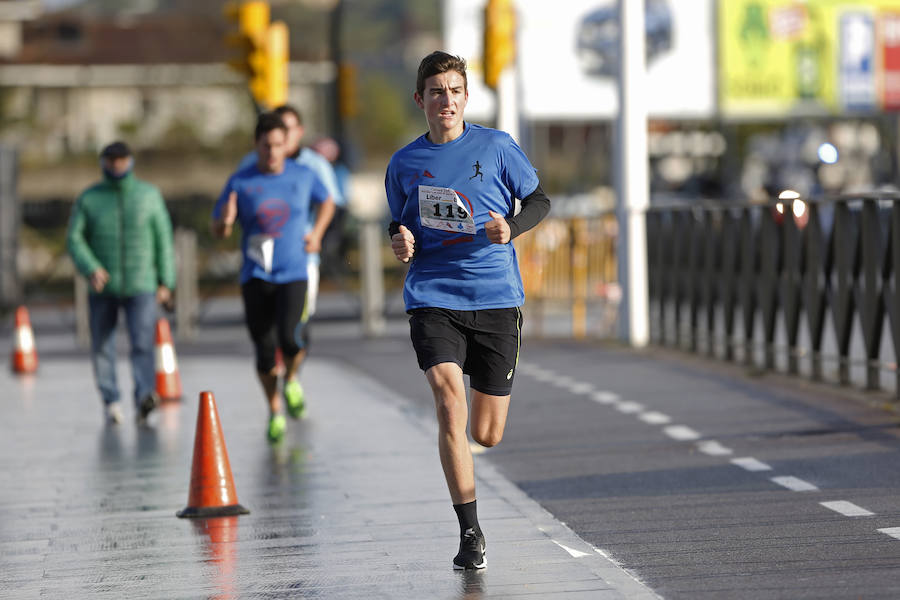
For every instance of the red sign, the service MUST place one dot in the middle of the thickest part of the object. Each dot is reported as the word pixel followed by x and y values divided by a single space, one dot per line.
pixel 890 35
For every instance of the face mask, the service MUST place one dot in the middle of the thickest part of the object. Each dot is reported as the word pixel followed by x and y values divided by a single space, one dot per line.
pixel 117 176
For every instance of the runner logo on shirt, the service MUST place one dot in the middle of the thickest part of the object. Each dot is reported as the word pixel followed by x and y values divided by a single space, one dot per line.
pixel 478 173
pixel 272 214
pixel 441 208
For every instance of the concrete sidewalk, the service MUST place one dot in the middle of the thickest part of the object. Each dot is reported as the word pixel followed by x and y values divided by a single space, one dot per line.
pixel 351 505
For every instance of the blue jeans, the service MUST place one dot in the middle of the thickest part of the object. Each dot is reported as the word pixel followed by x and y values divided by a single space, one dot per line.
pixel 140 316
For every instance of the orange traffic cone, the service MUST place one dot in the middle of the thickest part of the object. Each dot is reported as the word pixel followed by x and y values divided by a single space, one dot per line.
pixel 24 357
pixel 212 491
pixel 168 381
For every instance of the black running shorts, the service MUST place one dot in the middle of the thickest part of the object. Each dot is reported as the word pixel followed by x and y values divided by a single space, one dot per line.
pixel 484 343
pixel 275 314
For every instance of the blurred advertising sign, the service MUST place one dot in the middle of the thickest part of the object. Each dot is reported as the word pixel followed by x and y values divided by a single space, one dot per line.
pixel 806 57
pixel 890 34
pixel 568 57
pixel 857 61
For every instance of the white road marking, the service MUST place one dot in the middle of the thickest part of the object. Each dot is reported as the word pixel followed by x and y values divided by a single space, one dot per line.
pixel 682 433
pixel 794 484
pixel 751 464
pixel 543 375
pixel 848 509
pixel 894 532
pixel 655 418
pixel 572 551
pixel 581 388
pixel 562 381
pixel 713 448
pixel 605 397
pixel 629 407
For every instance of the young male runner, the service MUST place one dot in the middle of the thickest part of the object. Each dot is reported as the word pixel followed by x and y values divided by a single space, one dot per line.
pixel 272 200
pixel 463 289
pixel 305 157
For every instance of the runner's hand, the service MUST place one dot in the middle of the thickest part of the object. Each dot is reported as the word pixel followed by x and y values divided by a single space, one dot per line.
pixel 164 298
pixel 403 244
pixel 497 229
pixel 99 279
pixel 313 243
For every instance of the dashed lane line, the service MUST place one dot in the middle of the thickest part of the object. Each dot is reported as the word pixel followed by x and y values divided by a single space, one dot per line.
pixel 605 397
pixel 795 484
pixel 682 433
pixel 685 433
pixel 714 448
pixel 629 407
pixel 653 417
pixel 848 509
pixel 750 464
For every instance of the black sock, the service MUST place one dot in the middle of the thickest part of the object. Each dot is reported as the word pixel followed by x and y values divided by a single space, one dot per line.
pixel 468 516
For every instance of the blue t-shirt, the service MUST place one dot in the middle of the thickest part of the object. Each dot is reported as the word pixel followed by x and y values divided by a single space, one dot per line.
pixel 273 210
pixel 442 193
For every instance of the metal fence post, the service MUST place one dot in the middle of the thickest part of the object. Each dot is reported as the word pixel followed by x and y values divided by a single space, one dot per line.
pixel 579 279
pixel 82 325
pixel 372 278
pixel 10 221
pixel 186 284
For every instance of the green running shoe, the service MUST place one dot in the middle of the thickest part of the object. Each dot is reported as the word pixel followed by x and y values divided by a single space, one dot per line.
pixel 293 397
pixel 277 425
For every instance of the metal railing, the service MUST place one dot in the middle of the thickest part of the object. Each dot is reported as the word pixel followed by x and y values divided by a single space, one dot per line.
pixel 788 280
pixel 571 264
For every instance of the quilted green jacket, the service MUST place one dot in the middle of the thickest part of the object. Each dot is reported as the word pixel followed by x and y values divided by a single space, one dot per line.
pixel 124 227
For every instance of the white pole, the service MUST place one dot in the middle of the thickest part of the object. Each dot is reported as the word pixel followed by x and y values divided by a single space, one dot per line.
pixel 508 102
pixel 633 184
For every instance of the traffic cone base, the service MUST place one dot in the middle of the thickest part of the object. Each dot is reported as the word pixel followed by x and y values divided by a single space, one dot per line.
pixel 205 512
pixel 212 492
pixel 168 381
pixel 24 357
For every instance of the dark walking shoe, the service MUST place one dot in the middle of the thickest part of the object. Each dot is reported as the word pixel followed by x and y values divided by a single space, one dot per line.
pixel 147 406
pixel 471 551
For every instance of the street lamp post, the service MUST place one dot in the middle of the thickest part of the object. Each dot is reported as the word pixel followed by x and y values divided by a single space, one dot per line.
pixel 631 166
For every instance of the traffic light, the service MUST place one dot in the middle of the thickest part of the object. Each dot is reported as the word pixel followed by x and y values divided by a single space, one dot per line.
pixel 263 48
pixel 271 89
pixel 499 39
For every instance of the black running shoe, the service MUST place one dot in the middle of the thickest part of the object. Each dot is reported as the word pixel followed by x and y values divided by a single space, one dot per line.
pixel 147 406
pixel 471 551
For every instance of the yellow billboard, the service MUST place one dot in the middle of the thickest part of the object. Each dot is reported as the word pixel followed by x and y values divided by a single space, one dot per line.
pixel 805 57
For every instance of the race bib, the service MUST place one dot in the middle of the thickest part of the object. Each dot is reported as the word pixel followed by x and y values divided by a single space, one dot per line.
pixel 260 248
pixel 440 208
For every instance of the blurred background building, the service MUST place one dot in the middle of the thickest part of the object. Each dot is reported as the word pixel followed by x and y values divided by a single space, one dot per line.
pixel 747 98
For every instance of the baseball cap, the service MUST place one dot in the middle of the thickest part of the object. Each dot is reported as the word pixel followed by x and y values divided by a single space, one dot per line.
pixel 116 150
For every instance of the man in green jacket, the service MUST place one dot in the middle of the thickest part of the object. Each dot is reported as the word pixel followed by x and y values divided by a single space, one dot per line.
pixel 120 238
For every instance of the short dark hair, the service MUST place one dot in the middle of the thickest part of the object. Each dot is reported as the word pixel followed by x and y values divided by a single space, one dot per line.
pixel 117 149
pixel 267 122
pixel 288 109
pixel 439 62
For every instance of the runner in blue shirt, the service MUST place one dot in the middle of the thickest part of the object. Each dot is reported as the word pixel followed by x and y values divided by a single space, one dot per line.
pixel 306 157
pixel 273 200
pixel 452 196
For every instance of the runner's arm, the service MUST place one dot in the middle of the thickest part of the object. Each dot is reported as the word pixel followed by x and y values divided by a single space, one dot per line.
pixel 535 207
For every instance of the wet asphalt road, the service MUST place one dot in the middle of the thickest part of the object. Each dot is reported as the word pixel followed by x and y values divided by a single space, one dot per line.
pixel 701 480
pixel 634 451
pixel 351 505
